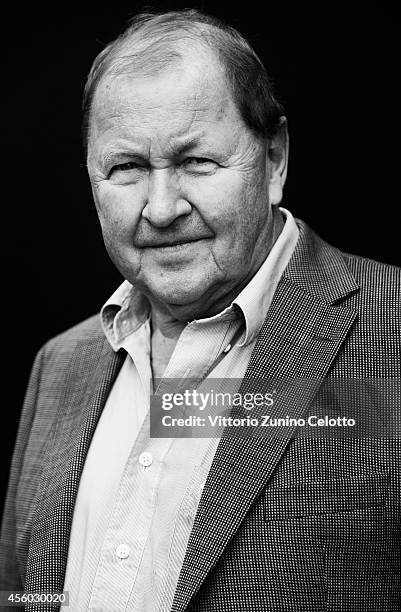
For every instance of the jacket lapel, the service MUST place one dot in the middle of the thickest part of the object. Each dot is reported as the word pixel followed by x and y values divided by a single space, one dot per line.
pixel 301 335
pixel 93 371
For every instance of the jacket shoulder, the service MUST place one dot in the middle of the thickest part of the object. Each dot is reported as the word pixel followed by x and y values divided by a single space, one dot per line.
pixel 85 332
pixel 364 267
pixel 333 275
pixel 378 282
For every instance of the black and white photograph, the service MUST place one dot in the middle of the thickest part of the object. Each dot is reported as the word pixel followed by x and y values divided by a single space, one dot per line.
pixel 202 326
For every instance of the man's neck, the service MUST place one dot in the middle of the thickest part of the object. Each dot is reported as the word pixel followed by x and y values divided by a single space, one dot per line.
pixel 165 333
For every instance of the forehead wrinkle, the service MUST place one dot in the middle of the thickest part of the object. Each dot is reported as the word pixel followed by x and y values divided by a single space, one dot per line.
pixel 181 133
pixel 124 123
pixel 186 109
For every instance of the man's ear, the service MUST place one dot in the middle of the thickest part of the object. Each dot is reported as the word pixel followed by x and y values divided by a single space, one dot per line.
pixel 277 154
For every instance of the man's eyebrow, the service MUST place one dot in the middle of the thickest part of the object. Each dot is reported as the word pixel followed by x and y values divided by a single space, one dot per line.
pixel 111 156
pixel 182 145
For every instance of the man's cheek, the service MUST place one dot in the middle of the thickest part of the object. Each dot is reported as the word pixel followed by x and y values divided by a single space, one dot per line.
pixel 118 219
pixel 117 239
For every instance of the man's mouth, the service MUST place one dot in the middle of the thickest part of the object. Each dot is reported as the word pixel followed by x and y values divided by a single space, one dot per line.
pixel 182 242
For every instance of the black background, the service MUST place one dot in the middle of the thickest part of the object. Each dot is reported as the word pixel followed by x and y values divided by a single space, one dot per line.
pixel 334 70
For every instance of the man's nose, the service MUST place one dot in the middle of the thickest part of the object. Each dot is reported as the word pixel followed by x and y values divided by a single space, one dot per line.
pixel 164 200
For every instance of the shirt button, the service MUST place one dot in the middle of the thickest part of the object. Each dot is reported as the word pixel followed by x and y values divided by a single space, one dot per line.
pixel 122 551
pixel 227 348
pixel 145 459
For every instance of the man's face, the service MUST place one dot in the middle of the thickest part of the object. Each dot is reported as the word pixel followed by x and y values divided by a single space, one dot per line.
pixel 181 185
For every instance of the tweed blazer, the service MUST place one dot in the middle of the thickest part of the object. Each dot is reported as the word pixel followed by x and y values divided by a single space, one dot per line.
pixel 284 523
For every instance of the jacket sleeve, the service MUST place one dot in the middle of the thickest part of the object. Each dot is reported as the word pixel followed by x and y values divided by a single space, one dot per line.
pixel 10 574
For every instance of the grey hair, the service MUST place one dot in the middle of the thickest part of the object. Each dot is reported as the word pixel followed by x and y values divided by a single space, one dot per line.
pixel 151 42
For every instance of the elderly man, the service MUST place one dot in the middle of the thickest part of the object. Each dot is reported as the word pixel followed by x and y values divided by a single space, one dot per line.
pixel 187 157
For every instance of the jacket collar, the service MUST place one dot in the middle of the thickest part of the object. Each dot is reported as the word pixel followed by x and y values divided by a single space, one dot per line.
pixel 319 268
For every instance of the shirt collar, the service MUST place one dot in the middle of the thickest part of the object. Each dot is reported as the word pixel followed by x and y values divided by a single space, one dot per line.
pixel 127 309
pixel 123 313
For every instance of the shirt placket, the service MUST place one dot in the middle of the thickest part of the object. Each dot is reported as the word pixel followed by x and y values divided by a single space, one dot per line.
pixel 129 525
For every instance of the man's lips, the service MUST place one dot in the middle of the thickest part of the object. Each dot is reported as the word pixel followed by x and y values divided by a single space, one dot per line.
pixel 169 244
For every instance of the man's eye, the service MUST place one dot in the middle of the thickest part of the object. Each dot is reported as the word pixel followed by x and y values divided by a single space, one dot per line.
pixel 200 164
pixel 124 167
pixel 127 172
pixel 197 160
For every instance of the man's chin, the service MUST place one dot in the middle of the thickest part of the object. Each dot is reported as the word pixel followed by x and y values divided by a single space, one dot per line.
pixel 186 297
pixel 180 296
